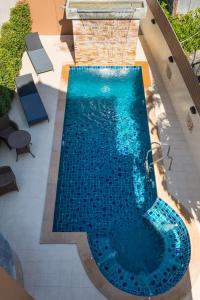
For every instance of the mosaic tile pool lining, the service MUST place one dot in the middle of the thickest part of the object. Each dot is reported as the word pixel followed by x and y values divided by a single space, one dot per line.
pixel 103 188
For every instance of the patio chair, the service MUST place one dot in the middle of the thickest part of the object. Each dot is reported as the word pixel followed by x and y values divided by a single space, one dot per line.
pixel 31 102
pixel 7 126
pixel 37 53
pixel 7 180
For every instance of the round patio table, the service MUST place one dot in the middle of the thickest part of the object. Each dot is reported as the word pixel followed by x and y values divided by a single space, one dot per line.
pixel 20 140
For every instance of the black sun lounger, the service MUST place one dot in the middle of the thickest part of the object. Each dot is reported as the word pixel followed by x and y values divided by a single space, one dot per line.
pixel 37 53
pixel 30 100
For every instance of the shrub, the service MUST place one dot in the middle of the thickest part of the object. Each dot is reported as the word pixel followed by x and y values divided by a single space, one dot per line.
pixel 12 47
pixel 186 27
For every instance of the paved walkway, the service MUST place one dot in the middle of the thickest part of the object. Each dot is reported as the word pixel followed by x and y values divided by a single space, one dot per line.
pixel 5 6
pixel 183 179
pixel 54 271
pixel 50 271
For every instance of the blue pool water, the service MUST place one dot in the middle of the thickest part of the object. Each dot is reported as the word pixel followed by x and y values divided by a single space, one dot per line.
pixel 139 243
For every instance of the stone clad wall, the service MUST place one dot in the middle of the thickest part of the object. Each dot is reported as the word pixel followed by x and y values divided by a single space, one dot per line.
pixel 105 42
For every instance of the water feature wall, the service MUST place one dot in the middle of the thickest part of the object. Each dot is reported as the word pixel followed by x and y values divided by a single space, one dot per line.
pixel 105 42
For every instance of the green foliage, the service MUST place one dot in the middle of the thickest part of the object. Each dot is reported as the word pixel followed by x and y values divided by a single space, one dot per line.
pixel 186 27
pixel 12 47
pixel 165 7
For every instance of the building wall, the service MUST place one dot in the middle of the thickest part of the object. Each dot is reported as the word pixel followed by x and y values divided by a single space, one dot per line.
pixel 108 42
pixel 5 7
pixel 184 6
pixel 49 17
pixel 174 83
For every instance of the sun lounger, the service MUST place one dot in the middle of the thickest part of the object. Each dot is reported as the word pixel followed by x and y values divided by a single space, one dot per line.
pixel 37 53
pixel 30 99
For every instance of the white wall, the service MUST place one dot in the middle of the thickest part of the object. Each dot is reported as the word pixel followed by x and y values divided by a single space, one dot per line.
pixel 186 5
pixel 175 86
pixel 5 6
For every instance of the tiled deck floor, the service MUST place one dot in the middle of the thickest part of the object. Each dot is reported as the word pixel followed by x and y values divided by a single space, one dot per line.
pixel 183 180
pixel 55 271
pixel 50 271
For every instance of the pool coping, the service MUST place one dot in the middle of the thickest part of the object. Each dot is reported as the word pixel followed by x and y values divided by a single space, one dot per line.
pixel 80 239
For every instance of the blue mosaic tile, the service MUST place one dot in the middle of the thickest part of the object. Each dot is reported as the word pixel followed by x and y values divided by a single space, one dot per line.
pixel 139 243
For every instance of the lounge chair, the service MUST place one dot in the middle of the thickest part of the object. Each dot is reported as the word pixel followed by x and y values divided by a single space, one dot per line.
pixel 6 128
pixel 7 180
pixel 37 53
pixel 31 102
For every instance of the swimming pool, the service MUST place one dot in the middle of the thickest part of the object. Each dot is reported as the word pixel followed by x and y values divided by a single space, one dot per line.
pixel 139 242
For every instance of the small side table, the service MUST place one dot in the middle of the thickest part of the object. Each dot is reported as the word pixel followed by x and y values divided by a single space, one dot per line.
pixel 20 140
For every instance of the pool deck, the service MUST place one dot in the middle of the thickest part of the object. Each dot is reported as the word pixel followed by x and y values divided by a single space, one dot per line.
pixel 55 271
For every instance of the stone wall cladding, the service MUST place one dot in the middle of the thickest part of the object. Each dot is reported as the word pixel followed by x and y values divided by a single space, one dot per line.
pixel 105 42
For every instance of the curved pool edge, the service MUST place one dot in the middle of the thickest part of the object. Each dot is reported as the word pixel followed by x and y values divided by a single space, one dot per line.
pixel 181 289
pixel 80 239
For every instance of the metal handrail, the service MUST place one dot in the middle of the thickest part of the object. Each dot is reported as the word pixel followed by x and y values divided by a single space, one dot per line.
pixel 148 166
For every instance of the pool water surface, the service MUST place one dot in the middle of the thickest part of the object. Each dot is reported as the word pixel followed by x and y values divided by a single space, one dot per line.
pixel 139 242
